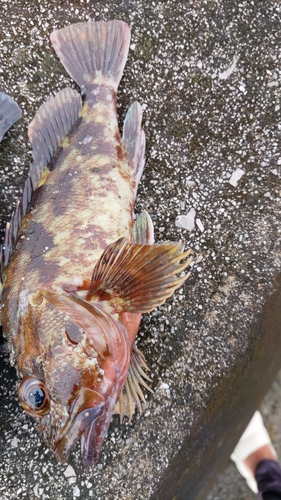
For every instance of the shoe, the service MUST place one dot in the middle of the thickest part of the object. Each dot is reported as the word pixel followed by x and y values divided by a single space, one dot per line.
pixel 254 437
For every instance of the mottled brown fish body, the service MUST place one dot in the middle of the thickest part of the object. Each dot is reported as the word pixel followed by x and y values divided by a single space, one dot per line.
pixel 84 205
pixel 78 273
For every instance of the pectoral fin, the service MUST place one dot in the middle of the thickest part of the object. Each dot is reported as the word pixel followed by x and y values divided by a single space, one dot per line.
pixel 137 278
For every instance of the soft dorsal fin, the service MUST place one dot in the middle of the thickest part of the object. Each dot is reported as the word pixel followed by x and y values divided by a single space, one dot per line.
pixel 52 122
pixel 10 112
pixel 137 278
pixel 134 140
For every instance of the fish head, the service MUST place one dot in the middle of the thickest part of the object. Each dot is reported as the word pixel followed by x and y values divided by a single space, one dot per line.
pixel 73 367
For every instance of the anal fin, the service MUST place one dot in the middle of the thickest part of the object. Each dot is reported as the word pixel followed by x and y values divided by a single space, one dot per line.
pixel 132 395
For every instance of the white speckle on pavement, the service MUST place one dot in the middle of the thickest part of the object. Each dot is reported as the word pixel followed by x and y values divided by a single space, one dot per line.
pixel 223 75
pixel 186 221
pixel 69 471
pixel 236 176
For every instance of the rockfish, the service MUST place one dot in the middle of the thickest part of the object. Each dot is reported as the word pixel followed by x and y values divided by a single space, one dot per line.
pixel 77 271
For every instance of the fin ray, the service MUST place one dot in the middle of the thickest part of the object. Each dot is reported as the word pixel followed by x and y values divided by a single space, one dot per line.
pixel 132 395
pixel 52 122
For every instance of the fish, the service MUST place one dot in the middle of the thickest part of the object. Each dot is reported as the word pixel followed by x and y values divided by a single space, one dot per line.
pixel 10 113
pixel 78 269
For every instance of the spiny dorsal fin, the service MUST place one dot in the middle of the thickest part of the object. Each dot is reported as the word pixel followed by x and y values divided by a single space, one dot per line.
pixel 137 278
pixel 52 122
pixel 93 52
pixel 143 231
pixel 10 112
pixel 134 140
pixel 132 394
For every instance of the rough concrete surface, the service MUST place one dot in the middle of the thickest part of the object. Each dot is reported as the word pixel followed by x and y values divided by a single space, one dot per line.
pixel 207 74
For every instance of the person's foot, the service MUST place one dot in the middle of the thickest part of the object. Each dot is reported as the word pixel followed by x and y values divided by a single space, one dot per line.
pixel 253 446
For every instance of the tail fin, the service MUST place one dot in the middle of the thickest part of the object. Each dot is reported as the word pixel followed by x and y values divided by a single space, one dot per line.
pixel 93 53
pixel 10 112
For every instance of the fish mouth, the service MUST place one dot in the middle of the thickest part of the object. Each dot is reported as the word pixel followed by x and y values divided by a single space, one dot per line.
pixel 85 424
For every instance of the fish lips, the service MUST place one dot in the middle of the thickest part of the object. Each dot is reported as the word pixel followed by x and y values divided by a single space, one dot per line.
pixel 85 424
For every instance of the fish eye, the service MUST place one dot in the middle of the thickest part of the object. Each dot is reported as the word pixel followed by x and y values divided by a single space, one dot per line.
pixel 33 396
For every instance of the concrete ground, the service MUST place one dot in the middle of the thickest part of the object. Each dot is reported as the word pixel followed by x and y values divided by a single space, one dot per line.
pixel 207 73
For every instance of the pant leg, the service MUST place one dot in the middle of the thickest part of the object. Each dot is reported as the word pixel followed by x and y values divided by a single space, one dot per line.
pixel 268 477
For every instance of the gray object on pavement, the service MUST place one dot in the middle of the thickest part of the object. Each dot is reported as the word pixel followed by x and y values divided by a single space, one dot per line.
pixel 10 113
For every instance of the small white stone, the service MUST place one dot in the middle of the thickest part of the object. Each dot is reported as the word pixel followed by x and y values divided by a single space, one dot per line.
pixel 200 225
pixel 223 75
pixel 236 175
pixel 164 386
pixel 186 221
pixel 76 492
pixel 15 442
pixel 69 471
